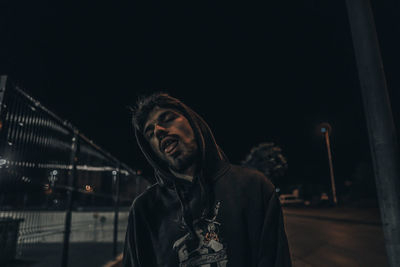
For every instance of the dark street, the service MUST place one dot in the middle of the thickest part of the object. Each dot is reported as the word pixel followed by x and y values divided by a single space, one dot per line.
pixel 307 94
pixel 326 238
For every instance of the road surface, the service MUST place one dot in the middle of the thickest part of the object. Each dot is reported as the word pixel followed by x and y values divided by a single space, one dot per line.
pixel 321 241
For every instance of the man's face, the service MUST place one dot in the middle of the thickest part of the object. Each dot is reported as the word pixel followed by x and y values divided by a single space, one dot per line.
pixel 171 137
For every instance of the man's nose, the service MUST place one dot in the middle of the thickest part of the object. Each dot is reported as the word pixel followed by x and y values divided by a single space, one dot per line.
pixel 160 131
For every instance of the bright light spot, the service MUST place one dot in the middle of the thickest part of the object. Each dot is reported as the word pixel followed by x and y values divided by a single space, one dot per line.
pixel 277 190
pixel 88 188
pixel 114 173
pixel 55 172
pixel 3 161
pixel 323 130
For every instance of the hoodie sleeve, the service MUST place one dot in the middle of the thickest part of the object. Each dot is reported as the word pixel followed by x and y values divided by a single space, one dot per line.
pixel 130 255
pixel 266 228
pixel 138 248
pixel 274 248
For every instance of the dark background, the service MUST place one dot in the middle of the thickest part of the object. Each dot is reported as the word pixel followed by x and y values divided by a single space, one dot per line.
pixel 256 71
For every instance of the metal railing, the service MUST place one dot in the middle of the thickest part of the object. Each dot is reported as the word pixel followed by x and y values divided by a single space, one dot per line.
pixel 56 186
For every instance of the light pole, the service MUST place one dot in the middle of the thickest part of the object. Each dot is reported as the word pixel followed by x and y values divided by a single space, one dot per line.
pixel 326 129
pixel 380 123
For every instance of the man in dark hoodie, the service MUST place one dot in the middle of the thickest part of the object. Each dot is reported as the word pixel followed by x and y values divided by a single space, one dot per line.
pixel 203 211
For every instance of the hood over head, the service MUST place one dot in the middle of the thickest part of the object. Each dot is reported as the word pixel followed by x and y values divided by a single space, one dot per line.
pixel 211 162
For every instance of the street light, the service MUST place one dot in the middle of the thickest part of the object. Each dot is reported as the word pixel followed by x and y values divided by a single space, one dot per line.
pixel 326 130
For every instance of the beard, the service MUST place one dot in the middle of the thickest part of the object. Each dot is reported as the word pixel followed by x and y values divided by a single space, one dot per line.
pixel 184 160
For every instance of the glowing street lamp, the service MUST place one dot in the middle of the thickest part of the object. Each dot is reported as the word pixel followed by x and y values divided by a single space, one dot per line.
pixel 326 130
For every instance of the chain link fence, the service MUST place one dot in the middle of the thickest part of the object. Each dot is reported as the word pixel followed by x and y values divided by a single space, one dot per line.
pixel 59 192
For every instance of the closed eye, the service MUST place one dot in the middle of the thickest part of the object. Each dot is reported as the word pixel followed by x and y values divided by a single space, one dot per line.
pixel 163 118
pixel 169 117
pixel 149 132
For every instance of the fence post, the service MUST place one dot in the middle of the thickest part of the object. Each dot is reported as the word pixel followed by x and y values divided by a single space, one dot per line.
pixel 3 82
pixel 70 199
pixel 116 209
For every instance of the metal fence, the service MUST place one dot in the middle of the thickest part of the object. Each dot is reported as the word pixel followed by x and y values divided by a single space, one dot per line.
pixel 58 190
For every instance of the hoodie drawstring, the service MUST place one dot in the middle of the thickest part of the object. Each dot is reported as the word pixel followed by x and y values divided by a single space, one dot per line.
pixel 187 220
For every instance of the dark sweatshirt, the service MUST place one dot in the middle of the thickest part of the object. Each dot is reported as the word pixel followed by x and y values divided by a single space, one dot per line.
pixel 228 216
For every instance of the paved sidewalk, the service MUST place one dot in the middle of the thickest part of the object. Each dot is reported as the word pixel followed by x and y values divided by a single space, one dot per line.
pixel 369 216
pixel 335 236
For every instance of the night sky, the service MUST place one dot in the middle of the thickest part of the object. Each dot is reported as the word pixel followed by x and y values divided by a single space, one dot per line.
pixel 257 72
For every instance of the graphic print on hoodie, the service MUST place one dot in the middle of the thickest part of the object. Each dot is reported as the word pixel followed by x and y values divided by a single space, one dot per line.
pixel 211 251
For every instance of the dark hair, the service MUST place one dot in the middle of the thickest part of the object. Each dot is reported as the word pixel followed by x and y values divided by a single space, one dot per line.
pixel 145 104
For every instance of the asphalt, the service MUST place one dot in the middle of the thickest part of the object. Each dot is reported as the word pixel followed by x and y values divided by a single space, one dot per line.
pixel 370 215
pixel 337 236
